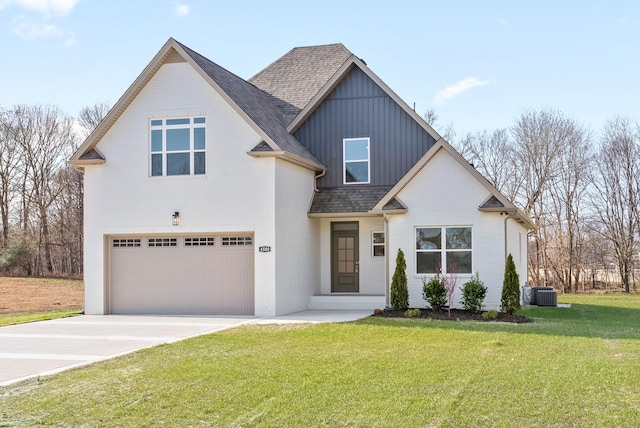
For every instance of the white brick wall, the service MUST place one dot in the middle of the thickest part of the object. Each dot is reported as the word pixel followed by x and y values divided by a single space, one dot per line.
pixel 237 193
pixel 296 241
pixel 444 193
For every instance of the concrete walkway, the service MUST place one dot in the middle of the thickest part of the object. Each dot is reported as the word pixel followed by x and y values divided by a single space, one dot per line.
pixel 48 347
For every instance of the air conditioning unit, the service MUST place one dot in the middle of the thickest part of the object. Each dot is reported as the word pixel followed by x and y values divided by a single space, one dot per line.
pixel 535 291
pixel 547 298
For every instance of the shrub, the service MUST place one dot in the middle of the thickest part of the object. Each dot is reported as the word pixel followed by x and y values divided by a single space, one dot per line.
pixel 399 290
pixel 490 315
pixel 412 313
pixel 434 292
pixel 510 287
pixel 473 293
pixel 17 253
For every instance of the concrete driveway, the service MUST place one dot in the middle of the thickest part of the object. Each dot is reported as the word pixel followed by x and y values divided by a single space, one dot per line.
pixel 47 347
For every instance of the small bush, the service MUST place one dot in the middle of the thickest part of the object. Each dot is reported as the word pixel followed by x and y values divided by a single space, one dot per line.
pixel 412 313
pixel 434 292
pixel 490 315
pixel 473 294
pixel 399 290
pixel 510 287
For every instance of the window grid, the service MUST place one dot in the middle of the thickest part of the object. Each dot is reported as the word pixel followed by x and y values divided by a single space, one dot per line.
pixel 377 244
pixel 177 146
pixel 356 157
pixel 237 240
pixel 444 250
pixel 163 242
pixel 199 242
pixel 119 243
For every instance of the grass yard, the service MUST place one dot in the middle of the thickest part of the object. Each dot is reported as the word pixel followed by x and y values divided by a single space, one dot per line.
pixel 572 367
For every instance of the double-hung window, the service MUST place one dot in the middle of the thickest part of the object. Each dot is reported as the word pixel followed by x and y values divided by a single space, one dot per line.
pixel 356 160
pixel 443 250
pixel 178 146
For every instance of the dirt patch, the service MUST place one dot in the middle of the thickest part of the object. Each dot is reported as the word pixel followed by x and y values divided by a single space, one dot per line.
pixel 457 315
pixel 40 294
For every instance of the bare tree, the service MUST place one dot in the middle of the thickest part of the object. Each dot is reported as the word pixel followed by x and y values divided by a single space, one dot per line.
pixel 539 140
pixel 44 136
pixel 91 116
pixel 9 171
pixel 616 197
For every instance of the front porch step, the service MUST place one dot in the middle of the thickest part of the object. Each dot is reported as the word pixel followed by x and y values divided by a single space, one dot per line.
pixel 346 301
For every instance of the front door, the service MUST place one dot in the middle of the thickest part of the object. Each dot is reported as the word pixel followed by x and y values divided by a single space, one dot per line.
pixel 345 260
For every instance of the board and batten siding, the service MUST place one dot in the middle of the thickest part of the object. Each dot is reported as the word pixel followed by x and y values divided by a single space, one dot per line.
pixel 358 107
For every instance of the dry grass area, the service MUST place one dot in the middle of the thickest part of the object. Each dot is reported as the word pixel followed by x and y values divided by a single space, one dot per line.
pixel 40 294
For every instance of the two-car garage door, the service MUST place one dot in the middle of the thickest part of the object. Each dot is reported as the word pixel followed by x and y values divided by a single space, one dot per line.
pixel 192 275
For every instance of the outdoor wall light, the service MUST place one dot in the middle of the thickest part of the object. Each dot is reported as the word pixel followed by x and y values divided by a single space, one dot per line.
pixel 175 219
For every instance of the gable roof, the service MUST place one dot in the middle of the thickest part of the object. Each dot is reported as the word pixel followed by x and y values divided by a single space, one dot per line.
pixel 297 76
pixel 496 202
pixel 253 104
pixel 352 201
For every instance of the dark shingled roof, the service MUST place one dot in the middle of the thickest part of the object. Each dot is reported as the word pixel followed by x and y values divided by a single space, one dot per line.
pixel 353 199
pixel 91 155
pixel 492 202
pixel 257 104
pixel 296 77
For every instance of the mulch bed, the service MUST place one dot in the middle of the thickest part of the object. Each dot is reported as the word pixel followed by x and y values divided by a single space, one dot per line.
pixel 456 315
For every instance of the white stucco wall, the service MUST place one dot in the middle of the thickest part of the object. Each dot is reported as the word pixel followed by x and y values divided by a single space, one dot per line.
pixel 445 194
pixel 372 269
pixel 296 241
pixel 237 193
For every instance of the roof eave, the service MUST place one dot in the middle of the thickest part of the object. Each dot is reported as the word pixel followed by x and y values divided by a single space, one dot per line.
pixel 515 213
pixel 85 162
pixel 289 157
pixel 345 215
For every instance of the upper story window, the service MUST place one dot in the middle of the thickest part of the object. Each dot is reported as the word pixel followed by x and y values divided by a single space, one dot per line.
pixel 178 146
pixel 443 250
pixel 356 160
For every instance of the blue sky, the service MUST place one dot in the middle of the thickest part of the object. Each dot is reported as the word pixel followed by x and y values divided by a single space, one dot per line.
pixel 479 64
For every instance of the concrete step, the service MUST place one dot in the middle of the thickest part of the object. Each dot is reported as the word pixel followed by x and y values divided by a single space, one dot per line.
pixel 346 301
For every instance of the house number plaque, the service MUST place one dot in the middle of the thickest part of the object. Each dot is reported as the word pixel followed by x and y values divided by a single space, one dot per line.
pixel 264 249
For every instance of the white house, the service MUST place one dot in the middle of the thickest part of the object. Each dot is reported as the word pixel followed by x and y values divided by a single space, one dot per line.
pixel 209 194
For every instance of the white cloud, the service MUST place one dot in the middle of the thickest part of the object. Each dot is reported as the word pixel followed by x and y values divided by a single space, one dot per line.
pixel 30 31
pixel 47 7
pixel 181 10
pixel 456 89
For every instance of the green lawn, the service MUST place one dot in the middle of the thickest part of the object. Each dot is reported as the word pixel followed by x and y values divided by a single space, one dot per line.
pixel 572 367
pixel 22 317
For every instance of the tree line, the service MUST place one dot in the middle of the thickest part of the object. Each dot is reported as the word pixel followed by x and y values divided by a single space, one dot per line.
pixel 582 190
pixel 41 197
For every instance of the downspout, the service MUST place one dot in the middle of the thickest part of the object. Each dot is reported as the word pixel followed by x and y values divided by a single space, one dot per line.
pixel 505 234
pixel 387 298
pixel 315 181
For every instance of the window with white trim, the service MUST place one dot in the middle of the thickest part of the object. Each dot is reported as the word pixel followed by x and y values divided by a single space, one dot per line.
pixel 118 243
pixel 163 242
pixel 356 165
pixel 237 241
pixel 377 244
pixel 177 146
pixel 444 250
pixel 208 241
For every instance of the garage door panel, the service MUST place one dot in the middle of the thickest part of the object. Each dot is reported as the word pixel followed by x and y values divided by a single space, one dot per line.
pixel 182 279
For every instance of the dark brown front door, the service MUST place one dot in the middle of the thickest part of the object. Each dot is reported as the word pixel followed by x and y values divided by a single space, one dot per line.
pixel 345 258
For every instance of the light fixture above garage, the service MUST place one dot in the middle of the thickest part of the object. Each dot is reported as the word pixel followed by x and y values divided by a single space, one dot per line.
pixel 175 219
